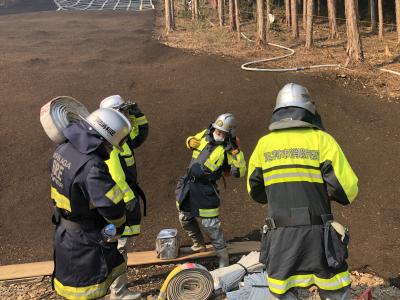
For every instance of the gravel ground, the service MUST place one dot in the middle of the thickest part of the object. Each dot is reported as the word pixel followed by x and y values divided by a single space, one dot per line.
pixel 150 278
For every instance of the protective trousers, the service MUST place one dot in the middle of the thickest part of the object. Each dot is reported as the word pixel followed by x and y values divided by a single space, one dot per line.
pixel 212 227
pixel 341 294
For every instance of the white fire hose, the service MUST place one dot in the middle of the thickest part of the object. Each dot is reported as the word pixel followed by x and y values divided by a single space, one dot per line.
pixel 56 114
pixel 246 66
pixel 188 281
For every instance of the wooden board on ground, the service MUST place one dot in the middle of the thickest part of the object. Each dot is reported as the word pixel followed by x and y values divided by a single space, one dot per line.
pixel 45 268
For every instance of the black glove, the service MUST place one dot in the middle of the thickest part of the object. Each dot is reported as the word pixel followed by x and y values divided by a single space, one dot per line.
pixel 231 144
pixel 134 110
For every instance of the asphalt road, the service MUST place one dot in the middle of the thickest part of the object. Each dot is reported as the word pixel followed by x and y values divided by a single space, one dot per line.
pixel 93 55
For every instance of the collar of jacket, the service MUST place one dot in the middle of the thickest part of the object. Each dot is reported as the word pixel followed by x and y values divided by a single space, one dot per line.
pixel 210 138
pixel 84 138
pixel 295 117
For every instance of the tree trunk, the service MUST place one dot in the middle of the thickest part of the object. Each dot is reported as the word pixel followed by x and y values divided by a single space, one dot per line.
pixel 267 12
pixel 214 4
pixel 295 27
pixel 398 20
pixel 304 14
pixel 169 26
pixel 172 12
pixel 232 25
pixel 372 7
pixel 354 45
pixel 195 10
pixel 221 12
pixel 380 14
pixel 333 29
pixel 318 7
pixel 261 35
pixel 309 29
pixel 288 19
pixel 237 18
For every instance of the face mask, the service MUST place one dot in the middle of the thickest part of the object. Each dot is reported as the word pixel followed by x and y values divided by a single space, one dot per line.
pixel 218 138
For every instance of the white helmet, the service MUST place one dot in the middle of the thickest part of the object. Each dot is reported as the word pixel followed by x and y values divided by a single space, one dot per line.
pixel 114 101
pixel 293 94
pixel 111 125
pixel 226 122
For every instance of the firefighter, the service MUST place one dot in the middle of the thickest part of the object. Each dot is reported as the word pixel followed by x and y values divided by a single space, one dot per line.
pixel 215 152
pixel 297 169
pixel 86 199
pixel 122 167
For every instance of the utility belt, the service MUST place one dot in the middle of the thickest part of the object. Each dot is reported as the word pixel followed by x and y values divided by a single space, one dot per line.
pixel 296 220
pixel 335 235
pixel 201 180
pixel 85 225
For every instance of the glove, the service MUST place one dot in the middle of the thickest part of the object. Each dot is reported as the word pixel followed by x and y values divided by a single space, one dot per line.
pixel 130 206
pixel 134 110
pixel 233 145
pixel 194 143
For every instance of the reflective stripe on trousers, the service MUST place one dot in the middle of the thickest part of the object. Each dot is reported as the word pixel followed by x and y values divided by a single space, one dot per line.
pixel 209 213
pixel 89 292
pixel 131 230
pixel 334 283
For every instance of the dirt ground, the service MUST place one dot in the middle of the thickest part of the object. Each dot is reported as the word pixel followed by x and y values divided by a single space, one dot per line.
pixel 91 55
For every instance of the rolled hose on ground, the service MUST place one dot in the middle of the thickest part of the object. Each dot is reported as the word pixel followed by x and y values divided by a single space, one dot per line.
pixel 188 281
pixel 56 114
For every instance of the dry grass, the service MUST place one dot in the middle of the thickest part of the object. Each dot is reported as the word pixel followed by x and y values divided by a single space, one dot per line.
pixel 205 36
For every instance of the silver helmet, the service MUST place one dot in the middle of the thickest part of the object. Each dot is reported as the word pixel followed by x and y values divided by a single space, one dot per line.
pixel 226 122
pixel 114 101
pixel 293 94
pixel 111 125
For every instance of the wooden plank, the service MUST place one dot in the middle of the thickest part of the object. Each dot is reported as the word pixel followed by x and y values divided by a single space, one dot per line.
pixel 45 268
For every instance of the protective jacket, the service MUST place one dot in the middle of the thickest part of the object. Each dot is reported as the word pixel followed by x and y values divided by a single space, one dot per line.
pixel 86 199
pixel 122 166
pixel 197 191
pixel 297 169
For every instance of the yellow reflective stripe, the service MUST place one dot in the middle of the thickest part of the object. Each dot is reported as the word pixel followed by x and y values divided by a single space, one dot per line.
pixel 117 222
pixel 131 230
pixel 336 282
pixel 293 178
pixel 129 195
pixel 141 120
pixel 130 161
pixel 292 175
pixel 293 170
pixel 210 165
pixel 115 194
pixel 91 291
pixel 195 153
pixel 177 204
pixel 61 201
pixel 209 213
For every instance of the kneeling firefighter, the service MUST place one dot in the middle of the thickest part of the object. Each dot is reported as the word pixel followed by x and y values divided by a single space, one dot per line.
pixel 297 169
pixel 215 151
pixel 122 167
pixel 86 199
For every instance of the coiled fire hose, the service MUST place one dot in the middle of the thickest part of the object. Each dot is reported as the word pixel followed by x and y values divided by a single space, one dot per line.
pixel 188 281
pixel 56 114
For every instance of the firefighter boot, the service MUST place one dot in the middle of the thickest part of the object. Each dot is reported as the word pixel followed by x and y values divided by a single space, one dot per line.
pixel 119 290
pixel 223 257
pixel 198 247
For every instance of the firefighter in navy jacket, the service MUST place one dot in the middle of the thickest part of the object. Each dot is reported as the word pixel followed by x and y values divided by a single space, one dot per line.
pixel 122 167
pixel 215 151
pixel 86 199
